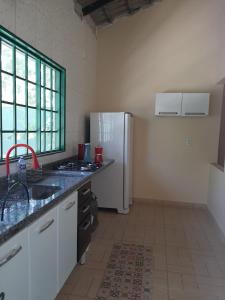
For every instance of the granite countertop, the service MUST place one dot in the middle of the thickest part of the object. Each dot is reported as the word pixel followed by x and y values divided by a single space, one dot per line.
pixel 19 213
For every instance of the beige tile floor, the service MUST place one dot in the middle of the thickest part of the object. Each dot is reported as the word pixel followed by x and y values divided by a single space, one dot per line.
pixel 188 250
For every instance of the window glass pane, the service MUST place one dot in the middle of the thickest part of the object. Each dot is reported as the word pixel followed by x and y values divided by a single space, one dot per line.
pixel 42 120
pixel 20 64
pixel 42 142
pixel 48 99
pixel 47 77
pixel 32 119
pixel 7 117
pixel 20 91
pixel 8 140
pixel 32 140
pixel 42 98
pixel 7 87
pixel 57 101
pixel 55 141
pixel 31 69
pixel 7 57
pixel 48 121
pixel 48 141
pixel 32 95
pixel 20 118
pixel 55 121
pixel 57 81
pixel 42 74
pixel 53 79
pixel 21 138
pixel 54 100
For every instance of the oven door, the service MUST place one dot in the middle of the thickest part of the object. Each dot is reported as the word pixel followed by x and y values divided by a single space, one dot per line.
pixel 84 210
pixel 84 236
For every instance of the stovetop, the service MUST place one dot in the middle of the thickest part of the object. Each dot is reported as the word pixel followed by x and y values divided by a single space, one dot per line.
pixel 77 166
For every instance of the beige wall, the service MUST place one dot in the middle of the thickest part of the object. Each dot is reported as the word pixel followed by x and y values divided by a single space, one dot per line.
pixel 52 27
pixel 177 45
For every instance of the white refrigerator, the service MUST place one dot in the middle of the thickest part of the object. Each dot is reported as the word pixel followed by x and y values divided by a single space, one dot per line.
pixel 114 132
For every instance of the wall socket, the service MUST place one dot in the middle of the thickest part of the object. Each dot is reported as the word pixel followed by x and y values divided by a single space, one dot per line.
pixel 188 141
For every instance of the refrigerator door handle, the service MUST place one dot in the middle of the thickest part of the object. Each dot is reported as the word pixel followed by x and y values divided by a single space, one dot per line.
pixel 128 151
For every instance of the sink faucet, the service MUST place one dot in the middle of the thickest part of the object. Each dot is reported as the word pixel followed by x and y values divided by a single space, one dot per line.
pixel 8 193
pixel 35 163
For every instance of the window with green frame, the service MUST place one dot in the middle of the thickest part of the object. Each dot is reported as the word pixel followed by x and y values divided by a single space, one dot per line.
pixel 32 98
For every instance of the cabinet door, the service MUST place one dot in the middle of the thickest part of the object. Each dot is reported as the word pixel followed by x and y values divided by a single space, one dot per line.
pixel 67 213
pixel 195 104
pixel 43 257
pixel 168 104
pixel 14 268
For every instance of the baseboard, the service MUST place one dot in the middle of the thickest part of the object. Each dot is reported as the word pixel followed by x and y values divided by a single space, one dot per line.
pixel 170 203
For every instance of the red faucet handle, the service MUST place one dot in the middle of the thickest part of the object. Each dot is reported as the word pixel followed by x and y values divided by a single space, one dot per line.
pixel 35 163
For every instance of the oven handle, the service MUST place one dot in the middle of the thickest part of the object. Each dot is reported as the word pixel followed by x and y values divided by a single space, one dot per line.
pixel 86 192
pixel 86 226
pixel 86 209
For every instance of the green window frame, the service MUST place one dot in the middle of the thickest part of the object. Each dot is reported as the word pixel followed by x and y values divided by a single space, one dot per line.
pixel 32 99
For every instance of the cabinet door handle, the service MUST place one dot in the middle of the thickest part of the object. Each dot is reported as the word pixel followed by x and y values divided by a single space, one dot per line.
pixel 168 112
pixel 69 205
pixel 195 114
pixel 86 209
pixel 9 256
pixel 86 192
pixel 2 296
pixel 86 226
pixel 46 226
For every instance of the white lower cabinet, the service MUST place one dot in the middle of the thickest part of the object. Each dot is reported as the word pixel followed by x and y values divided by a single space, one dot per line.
pixel 35 263
pixel 14 268
pixel 67 237
pixel 43 257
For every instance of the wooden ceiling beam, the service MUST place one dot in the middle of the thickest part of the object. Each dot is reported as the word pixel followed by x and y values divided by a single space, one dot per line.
pixel 88 9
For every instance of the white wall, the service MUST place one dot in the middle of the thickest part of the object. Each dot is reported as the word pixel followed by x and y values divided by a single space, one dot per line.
pixel 176 45
pixel 216 199
pixel 52 27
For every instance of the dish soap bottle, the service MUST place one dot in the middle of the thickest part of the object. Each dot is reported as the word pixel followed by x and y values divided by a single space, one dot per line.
pixel 21 170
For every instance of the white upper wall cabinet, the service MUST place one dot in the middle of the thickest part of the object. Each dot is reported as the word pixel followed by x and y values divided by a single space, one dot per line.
pixel 182 104
pixel 168 104
pixel 195 104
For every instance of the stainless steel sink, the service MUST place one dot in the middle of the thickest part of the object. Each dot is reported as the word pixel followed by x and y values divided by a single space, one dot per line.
pixel 33 192
pixel 40 192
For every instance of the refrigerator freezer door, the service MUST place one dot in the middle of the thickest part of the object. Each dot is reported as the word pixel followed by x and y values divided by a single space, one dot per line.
pixel 107 130
pixel 128 160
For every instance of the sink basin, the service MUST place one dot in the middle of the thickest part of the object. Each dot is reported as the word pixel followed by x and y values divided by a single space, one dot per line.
pixel 40 192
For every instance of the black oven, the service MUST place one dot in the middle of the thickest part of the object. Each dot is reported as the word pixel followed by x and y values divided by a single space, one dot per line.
pixel 84 228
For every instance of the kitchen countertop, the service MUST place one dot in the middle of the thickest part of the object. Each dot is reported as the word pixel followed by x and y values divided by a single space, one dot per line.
pixel 19 214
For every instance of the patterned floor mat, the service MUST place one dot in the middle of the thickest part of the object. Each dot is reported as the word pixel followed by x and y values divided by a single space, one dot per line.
pixel 128 274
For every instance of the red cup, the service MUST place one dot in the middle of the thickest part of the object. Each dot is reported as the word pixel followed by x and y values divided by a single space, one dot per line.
pixel 80 152
pixel 98 155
